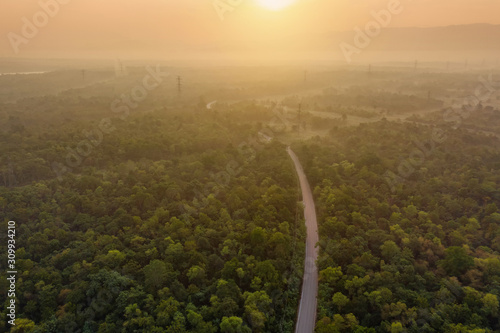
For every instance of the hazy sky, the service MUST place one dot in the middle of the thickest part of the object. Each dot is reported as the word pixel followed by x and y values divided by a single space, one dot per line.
pixel 103 27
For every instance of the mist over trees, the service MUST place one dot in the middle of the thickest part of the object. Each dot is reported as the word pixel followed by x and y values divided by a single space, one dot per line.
pixel 173 217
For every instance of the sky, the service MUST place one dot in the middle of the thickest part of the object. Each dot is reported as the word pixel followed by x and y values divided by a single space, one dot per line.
pixel 135 28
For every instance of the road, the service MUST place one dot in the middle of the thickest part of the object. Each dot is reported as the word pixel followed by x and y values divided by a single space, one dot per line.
pixel 209 105
pixel 306 318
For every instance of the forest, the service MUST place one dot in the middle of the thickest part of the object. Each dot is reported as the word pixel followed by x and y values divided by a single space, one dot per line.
pixel 423 257
pixel 176 222
pixel 249 166
pixel 176 217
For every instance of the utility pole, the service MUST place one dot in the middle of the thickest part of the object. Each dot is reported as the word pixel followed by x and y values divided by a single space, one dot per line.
pixel 83 74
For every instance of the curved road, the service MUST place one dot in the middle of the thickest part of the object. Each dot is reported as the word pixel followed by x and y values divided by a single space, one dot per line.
pixel 209 105
pixel 306 319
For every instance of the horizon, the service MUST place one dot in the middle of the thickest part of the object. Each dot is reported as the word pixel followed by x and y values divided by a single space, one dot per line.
pixel 248 31
pixel 239 166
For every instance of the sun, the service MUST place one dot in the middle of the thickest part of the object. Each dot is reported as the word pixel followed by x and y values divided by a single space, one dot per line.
pixel 275 4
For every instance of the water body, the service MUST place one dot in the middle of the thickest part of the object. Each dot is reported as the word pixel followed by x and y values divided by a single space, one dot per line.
pixel 22 73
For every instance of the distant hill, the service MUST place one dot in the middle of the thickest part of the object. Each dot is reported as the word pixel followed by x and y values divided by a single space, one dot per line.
pixel 474 44
pixel 455 43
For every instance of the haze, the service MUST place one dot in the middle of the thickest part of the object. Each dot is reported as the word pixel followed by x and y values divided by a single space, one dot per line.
pixel 192 29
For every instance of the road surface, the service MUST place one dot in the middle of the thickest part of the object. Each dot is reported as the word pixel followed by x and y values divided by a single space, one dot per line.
pixel 306 318
pixel 209 105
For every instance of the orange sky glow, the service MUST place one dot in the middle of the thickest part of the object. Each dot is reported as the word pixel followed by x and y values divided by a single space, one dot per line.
pixel 103 28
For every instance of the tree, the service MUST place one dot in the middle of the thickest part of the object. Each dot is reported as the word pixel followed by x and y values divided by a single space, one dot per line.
pixel 102 292
pixel 257 305
pixel 196 274
pixel 491 305
pixel 340 300
pixel 390 251
pixel 397 327
pixel 166 310
pixel 23 325
pixel 330 275
pixel 155 274
pixel 456 261
pixel 233 325
pixel 178 325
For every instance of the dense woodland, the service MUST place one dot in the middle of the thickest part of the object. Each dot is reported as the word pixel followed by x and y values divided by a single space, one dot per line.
pixel 176 222
pixel 184 219
pixel 423 257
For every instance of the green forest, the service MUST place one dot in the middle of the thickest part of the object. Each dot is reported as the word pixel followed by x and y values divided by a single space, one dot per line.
pixel 417 255
pixel 176 222
pixel 175 217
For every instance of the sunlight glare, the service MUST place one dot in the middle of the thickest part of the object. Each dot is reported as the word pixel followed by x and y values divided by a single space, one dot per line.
pixel 275 4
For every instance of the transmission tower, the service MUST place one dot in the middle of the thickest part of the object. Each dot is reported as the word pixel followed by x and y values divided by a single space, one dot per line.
pixel 179 85
pixel 300 111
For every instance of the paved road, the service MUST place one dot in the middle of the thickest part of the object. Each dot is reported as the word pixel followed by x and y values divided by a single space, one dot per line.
pixel 306 319
pixel 209 105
